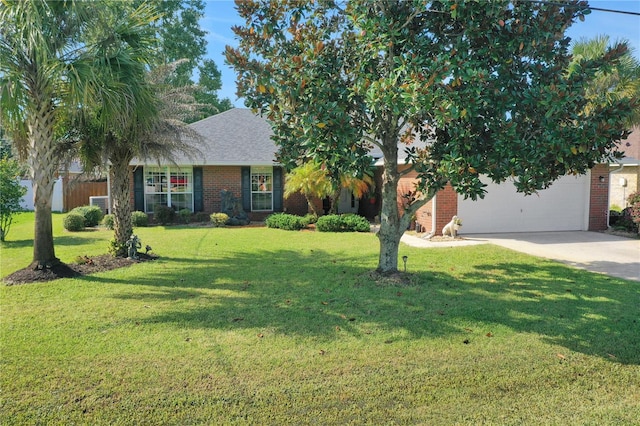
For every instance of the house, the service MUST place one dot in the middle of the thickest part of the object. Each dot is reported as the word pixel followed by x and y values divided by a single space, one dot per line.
pixel 572 203
pixel 625 174
pixel 238 155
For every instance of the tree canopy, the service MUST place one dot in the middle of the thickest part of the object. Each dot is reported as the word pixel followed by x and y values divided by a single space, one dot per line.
pixel 471 90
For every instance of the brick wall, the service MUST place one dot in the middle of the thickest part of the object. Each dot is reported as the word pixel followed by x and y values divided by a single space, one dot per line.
pixel 446 204
pixel 599 198
pixel 214 180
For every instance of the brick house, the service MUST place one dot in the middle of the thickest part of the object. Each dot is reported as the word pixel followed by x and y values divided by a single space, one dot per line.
pixel 238 155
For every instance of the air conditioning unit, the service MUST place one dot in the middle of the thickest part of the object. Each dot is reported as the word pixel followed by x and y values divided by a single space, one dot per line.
pixel 100 201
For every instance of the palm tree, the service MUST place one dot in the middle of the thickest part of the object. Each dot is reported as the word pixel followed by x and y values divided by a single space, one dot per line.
pixel 56 58
pixel 311 180
pixel 158 136
pixel 620 81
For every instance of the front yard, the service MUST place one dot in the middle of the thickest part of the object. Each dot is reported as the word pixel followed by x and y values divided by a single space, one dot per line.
pixel 263 326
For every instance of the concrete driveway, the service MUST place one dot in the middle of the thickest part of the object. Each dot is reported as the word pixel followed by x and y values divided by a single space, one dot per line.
pixel 593 251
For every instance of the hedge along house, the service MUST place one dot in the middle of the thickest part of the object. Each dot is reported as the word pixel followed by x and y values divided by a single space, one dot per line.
pixel 237 155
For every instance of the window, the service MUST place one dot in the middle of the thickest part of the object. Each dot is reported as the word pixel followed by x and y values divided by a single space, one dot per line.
pixel 168 186
pixel 261 188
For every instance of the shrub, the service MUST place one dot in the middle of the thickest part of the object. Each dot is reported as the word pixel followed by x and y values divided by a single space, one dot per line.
pixel 73 222
pixel 184 215
pixel 117 250
pixel 164 214
pixel 342 223
pixel 219 219
pixel 201 217
pixel 92 215
pixel 11 192
pixel 285 221
pixel 139 219
pixel 633 211
pixel 310 218
pixel 108 221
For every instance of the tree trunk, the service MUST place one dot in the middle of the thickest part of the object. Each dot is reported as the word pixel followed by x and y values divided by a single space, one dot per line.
pixel 391 225
pixel 121 198
pixel 311 206
pixel 42 166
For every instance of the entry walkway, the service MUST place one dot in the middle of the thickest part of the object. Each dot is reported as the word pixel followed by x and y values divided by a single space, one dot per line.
pixel 593 251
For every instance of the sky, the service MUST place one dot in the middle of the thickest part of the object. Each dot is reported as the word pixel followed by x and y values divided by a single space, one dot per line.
pixel 220 16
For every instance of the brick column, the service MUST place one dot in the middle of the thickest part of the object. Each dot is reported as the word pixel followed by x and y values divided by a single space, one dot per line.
pixel 446 207
pixel 599 198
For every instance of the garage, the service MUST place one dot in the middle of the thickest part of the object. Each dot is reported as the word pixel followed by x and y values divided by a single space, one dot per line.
pixel 562 207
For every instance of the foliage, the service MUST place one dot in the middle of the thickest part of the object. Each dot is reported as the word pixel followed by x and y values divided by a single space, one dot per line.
pixel 117 249
pixel 74 222
pixel 467 89
pixel 634 209
pixel 92 215
pixel 57 61
pixel 201 217
pixel 343 223
pixel 139 219
pixel 107 221
pixel 619 82
pixel 163 214
pixel 307 325
pixel 310 218
pixel 184 215
pixel 11 193
pixel 615 208
pixel 219 219
pixel 311 180
pixel 286 221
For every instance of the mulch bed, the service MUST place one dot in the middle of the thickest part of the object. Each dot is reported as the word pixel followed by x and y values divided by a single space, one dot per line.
pixel 84 266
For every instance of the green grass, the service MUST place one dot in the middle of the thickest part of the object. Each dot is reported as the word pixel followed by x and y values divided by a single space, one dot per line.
pixel 263 326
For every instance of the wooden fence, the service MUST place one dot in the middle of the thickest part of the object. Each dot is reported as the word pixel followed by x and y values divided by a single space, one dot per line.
pixel 77 192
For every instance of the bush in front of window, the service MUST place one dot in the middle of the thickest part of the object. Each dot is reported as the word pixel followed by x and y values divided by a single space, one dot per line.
pixel 343 223
pixel 184 215
pixel 164 214
pixel 218 220
pixel 73 222
pixel 285 221
pixel 92 215
pixel 108 221
pixel 139 219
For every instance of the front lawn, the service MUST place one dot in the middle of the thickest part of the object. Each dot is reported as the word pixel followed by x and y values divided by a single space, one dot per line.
pixel 264 326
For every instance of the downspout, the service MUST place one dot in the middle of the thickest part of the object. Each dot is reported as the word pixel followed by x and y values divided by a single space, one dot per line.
pixel 433 219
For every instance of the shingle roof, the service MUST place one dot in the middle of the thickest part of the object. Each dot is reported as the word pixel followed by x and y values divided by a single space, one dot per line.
pixel 236 137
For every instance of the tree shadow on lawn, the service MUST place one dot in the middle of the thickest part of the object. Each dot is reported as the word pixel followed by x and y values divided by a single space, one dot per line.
pixel 66 240
pixel 293 293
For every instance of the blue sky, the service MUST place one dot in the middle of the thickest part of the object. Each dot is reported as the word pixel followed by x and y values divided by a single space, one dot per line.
pixel 220 16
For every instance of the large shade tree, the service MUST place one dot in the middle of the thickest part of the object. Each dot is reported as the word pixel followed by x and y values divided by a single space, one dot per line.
pixel 56 57
pixel 476 90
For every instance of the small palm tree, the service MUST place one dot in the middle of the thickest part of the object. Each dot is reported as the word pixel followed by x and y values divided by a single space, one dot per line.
pixel 156 131
pixel 310 180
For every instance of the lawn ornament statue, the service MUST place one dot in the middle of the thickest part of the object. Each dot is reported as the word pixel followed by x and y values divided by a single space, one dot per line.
pixel 133 244
pixel 451 228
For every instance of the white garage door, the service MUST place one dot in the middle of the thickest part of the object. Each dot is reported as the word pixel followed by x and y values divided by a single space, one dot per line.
pixel 562 207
